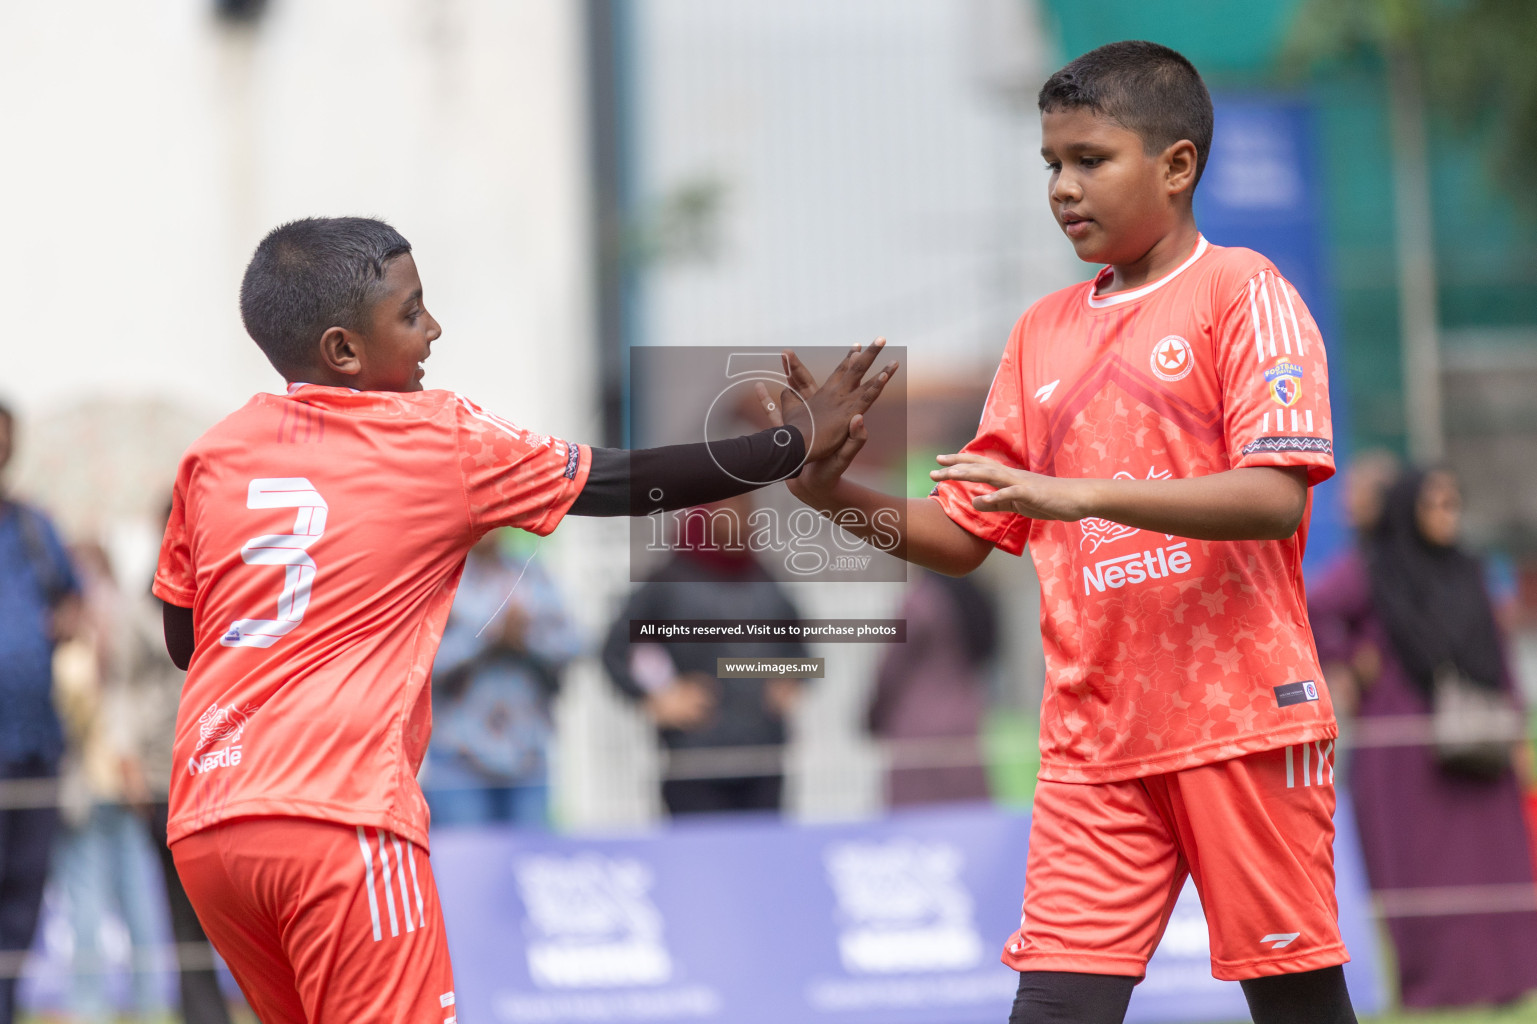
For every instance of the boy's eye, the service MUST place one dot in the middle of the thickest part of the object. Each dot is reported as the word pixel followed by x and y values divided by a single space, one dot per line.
pixel 1092 161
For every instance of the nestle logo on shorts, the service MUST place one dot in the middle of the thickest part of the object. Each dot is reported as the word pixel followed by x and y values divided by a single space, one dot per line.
pixel 1288 694
pixel 1137 567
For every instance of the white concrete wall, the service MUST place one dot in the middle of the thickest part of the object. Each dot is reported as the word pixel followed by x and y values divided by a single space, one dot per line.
pixel 148 148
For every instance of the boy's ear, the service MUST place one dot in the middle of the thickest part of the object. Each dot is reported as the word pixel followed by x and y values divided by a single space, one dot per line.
pixel 1179 162
pixel 341 350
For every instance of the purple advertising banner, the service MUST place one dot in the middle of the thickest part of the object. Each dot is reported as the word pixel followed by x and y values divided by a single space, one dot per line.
pixel 897 921
pixel 748 920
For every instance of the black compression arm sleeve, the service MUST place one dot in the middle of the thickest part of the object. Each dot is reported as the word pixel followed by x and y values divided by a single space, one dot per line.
pixel 627 483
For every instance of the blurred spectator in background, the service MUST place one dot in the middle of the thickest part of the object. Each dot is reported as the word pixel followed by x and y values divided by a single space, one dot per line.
pixel 38 604
pixel 1408 605
pixel 507 640
pixel 103 859
pixel 934 686
pixel 1366 481
pixel 151 693
pixel 676 683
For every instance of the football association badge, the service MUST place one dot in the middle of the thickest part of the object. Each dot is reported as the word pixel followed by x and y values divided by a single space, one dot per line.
pixel 1285 380
pixel 1172 359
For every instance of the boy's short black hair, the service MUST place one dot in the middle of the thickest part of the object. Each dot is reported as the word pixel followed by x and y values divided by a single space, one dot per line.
pixel 1146 88
pixel 311 275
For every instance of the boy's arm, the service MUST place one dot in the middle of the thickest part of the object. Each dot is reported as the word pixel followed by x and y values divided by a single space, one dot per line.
pixel 931 538
pixel 644 481
pixel 179 639
pixel 1252 503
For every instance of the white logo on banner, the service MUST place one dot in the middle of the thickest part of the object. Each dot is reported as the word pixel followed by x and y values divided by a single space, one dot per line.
pixel 902 907
pixel 591 922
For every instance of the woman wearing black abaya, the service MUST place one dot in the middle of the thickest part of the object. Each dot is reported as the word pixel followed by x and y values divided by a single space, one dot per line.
pixel 1411 602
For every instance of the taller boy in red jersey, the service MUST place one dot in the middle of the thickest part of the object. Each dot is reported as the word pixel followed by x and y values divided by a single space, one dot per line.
pixel 1151 435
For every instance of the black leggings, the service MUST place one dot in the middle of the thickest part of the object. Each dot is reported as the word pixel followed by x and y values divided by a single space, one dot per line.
pixel 1060 997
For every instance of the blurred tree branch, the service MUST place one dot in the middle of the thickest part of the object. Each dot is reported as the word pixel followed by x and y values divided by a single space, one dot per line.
pixel 683 224
pixel 1473 58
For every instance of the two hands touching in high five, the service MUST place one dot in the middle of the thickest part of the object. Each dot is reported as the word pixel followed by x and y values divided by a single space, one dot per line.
pixel 831 452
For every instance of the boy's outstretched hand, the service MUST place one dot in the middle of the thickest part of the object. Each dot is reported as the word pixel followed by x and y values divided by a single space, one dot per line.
pixel 1248 503
pixel 1028 494
pixel 817 479
pixel 825 414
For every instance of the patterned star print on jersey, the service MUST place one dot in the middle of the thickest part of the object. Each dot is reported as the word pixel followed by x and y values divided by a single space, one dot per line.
pixel 1163 652
pixel 342 544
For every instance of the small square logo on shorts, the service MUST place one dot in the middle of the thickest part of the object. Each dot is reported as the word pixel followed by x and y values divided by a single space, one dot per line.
pixel 1288 694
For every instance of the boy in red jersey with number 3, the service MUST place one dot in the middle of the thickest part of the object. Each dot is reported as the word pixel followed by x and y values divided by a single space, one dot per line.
pixel 314 546
pixel 1152 436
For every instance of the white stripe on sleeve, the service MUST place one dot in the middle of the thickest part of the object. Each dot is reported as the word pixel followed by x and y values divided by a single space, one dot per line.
pixel 1301 345
pixel 1264 295
pixel 1259 346
pixel 1280 314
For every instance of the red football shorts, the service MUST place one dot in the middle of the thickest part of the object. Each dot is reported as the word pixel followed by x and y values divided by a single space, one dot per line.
pixel 1107 862
pixel 322 923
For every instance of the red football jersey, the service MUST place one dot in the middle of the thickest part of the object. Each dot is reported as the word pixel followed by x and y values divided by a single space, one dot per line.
pixel 1163 652
pixel 318 538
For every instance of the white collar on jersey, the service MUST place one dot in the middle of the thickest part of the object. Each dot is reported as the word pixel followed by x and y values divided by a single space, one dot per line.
pixel 296 385
pixel 1115 299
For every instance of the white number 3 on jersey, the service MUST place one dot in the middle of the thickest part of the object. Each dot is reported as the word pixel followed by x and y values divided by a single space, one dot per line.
pixel 288 550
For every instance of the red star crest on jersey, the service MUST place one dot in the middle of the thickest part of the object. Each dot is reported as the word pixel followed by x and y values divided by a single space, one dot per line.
pixel 1172 359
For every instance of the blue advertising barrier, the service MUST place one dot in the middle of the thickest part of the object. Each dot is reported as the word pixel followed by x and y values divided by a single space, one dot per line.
pixel 749 920
pixel 1261 190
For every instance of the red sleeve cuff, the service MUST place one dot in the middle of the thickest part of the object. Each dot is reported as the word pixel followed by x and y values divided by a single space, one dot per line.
pixel 1007 531
pixel 578 479
pixel 181 597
